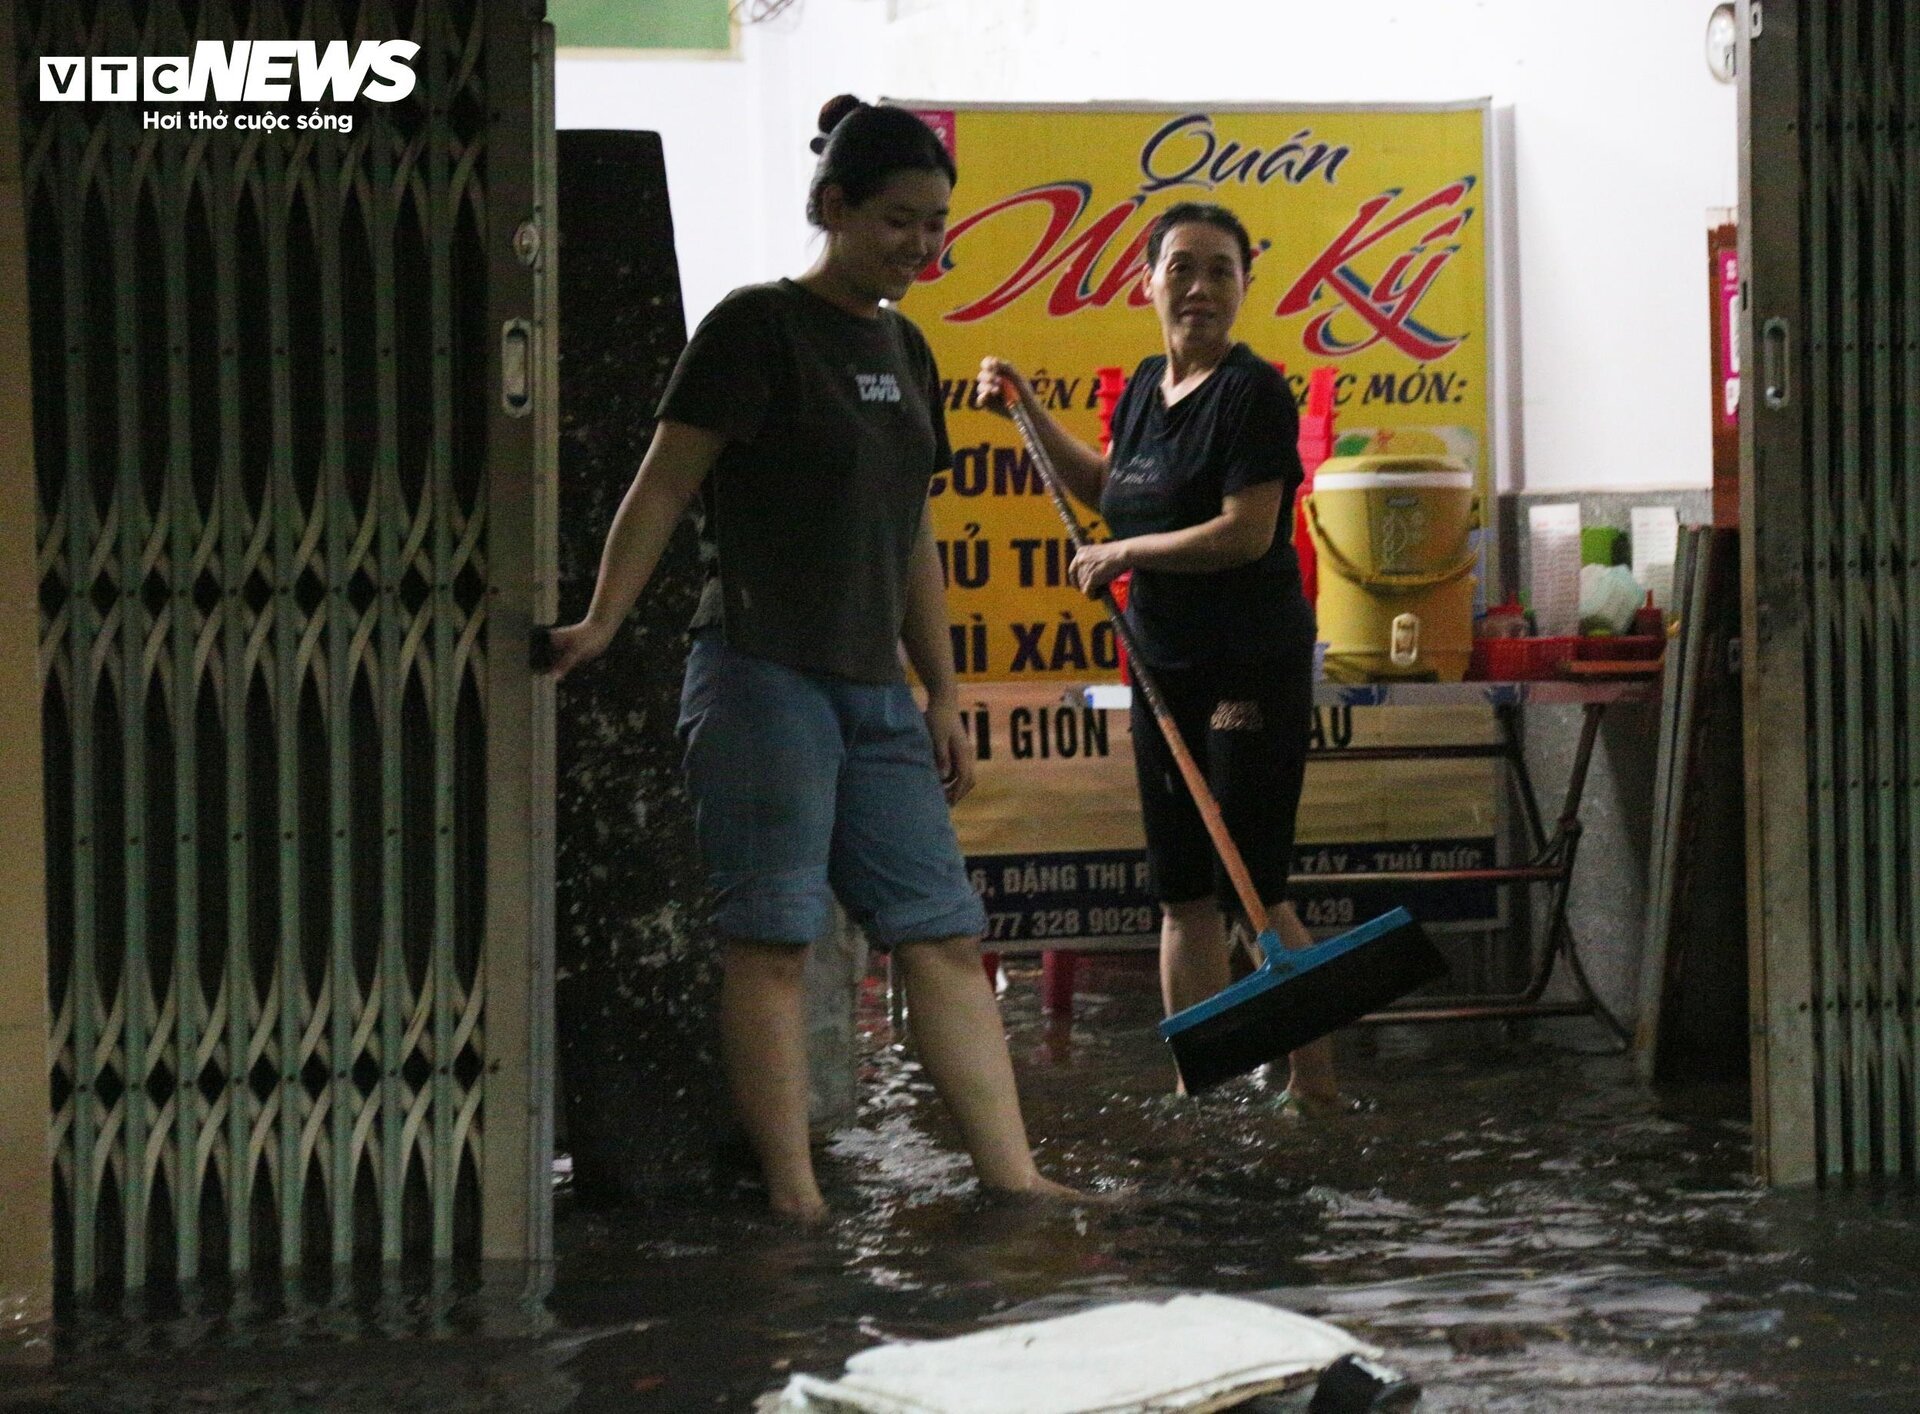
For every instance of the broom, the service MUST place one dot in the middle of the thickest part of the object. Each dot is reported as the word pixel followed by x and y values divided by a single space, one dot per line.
pixel 1291 998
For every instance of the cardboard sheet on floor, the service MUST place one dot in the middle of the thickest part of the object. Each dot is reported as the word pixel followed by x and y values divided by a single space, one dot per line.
pixel 1190 1354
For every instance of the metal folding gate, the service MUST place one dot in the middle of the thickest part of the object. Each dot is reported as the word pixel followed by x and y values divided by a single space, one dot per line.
pixel 294 435
pixel 1831 247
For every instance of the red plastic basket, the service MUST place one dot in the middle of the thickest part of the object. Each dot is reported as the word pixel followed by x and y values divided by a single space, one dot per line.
pixel 1545 655
pixel 1498 660
pixel 1620 647
pixel 1519 659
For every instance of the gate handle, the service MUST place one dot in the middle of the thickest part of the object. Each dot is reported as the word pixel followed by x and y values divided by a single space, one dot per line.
pixel 516 367
pixel 1776 364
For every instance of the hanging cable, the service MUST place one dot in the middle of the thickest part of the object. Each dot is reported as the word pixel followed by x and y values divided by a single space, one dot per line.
pixel 755 12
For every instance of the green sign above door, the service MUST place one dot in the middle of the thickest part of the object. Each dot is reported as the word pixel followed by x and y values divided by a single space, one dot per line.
pixel 685 25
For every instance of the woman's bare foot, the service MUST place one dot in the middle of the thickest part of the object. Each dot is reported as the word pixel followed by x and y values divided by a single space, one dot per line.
pixel 801 1212
pixel 1313 1098
pixel 1045 1191
pixel 1310 1104
pixel 1310 1076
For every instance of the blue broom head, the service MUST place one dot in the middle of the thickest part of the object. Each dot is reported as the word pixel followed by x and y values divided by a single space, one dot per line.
pixel 1296 997
pixel 1281 963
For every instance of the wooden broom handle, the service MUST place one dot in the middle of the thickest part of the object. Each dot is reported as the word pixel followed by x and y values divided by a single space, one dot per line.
pixel 1203 800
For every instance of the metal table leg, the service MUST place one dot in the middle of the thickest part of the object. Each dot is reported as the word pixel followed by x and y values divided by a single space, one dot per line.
pixel 1561 939
pixel 1552 864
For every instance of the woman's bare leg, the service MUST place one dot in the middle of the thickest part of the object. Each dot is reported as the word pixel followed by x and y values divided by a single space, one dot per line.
pixel 1194 960
pixel 763 1045
pixel 957 1029
pixel 1311 1079
pixel 1193 953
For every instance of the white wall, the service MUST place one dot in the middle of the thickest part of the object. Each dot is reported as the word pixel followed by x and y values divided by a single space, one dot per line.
pixel 1621 142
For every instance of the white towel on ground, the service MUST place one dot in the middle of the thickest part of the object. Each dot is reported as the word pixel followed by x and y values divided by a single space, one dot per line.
pixel 1190 1354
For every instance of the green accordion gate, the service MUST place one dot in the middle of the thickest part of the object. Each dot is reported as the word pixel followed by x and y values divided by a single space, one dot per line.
pixel 294 436
pixel 1831 244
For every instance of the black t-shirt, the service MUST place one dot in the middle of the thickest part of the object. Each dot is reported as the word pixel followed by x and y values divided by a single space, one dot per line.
pixel 1171 468
pixel 834 429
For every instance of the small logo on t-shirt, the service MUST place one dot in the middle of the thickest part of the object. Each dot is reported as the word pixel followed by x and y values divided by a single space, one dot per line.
pixel 878 387
pixel 1137 470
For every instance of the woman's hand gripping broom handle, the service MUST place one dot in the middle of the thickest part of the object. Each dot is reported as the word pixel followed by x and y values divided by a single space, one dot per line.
pixel 1143 680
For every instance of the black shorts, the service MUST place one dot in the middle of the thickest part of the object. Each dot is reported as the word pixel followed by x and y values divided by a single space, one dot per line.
pixel 1248 726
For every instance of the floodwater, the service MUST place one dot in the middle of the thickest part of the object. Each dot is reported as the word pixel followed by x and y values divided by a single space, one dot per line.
pixel 1519 1223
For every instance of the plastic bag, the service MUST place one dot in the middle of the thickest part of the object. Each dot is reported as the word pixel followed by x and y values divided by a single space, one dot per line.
pixel 1608 596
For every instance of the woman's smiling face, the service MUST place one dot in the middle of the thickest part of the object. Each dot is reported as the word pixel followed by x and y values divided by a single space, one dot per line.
pixel 881 245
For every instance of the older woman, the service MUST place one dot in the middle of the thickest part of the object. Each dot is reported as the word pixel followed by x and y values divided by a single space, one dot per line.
pixel 1197 491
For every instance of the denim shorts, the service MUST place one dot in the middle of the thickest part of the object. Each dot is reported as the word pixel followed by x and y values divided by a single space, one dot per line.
pixel 808 787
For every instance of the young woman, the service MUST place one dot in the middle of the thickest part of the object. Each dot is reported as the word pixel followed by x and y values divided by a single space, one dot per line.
pixel 806 414
pixel 1197 493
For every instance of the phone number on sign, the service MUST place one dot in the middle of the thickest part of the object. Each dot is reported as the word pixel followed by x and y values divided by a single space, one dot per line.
pixel 1114 922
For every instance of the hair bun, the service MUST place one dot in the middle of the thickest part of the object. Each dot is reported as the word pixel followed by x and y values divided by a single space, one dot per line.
pixel 832 113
